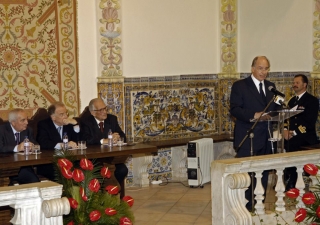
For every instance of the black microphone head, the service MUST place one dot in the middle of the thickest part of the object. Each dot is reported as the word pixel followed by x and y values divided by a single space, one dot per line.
pixel 270 88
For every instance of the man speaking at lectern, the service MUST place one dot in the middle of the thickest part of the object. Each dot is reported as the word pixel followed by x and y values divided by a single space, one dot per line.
pixel 300 130
pixel 248 99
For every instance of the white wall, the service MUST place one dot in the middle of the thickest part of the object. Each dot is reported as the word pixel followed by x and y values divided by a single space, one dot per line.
pixel 172 37
pixel 88 52
pixel 279 29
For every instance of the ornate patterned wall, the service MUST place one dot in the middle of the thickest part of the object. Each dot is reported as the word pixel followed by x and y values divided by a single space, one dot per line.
pixel 38 48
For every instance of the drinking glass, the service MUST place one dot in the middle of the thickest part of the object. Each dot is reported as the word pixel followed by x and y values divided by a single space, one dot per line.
pixel 120 141
pixel 36 149
pixel 82 145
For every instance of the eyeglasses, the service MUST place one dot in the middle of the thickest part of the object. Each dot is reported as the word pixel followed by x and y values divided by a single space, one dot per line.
pixel 101 110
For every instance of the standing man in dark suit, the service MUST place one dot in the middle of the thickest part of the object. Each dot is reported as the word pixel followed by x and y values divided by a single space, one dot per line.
pixel 12 135
pixel 51 130
pixel 95 128
pixel 300 130
pixel 248 99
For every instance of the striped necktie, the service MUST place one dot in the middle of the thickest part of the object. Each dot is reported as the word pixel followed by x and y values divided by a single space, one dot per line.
pixel 17 134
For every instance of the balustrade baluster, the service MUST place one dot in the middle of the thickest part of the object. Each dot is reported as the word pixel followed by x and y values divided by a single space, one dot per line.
pixel 280 188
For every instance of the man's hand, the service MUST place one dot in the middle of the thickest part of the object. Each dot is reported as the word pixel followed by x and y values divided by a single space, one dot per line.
pixel 69 121
pixel 287 134
pixel 20 147
pixel 263 118
pixel 72 144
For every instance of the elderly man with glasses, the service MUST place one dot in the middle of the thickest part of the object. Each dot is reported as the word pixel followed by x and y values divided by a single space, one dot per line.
pixel 95 128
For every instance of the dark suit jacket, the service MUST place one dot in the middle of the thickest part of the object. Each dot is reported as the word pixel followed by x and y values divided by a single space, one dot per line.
pixel 245 101
pixel 48 135
pixel 91 133
pixel 304 124
pixel 7 138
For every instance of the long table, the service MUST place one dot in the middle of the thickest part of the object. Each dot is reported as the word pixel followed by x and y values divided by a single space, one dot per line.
pixel 113 155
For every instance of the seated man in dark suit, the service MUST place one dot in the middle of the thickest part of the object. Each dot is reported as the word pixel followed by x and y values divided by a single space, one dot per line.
pixel 50 132
pixel 12 135
pixel 95 128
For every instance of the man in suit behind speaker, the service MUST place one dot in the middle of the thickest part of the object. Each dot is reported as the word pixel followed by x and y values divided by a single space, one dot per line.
pixel 248 99
pixel 300 130
pixel 95 128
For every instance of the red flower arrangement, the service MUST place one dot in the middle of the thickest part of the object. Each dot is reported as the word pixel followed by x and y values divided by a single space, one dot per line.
pixel 90 202
pixel 311 212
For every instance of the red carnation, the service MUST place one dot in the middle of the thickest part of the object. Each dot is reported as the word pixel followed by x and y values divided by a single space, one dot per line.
pixel 129 200
pixel 83 194
pixel 66 173
pixel 95 215
pixel 78 175
pixel 311 169
pixel 105 172
pixel 86 164
pixel 73 203
pixel 125 221
pixel 293 193
pixel 113 190
pixel 308 198
pixel 70 223
pixel 65 163
pixel 110 211
pixel 300 215
pixel 94 185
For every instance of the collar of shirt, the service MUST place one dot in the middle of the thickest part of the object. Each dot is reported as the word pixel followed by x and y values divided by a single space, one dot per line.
pixel 257 82
pixel 98 121
pixel 301 94
pixel 14 130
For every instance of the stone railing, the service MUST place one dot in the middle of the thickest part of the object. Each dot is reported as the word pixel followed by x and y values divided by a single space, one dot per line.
pixel 36 204
pixel 230 179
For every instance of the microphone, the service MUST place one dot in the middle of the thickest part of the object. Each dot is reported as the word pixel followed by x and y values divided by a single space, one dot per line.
pixel 275 91
pixel 280 101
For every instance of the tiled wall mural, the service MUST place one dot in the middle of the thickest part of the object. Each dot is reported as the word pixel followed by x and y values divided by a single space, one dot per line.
pixel 192 107
pixel 177 107
pixel 38 63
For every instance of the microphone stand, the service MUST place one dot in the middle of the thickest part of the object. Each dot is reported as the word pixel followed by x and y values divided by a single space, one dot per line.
pixel 251 135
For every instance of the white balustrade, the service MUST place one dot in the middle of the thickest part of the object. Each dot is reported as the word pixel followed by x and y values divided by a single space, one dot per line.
pixel 35 204
pixel 230 179
pixel 140 164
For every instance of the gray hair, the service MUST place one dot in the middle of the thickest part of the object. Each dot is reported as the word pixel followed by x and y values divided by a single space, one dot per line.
pixel 13 114
pixel 91 103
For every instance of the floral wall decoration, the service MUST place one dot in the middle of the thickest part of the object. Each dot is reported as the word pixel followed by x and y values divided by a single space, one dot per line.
pixel 110 31
pixel 38 48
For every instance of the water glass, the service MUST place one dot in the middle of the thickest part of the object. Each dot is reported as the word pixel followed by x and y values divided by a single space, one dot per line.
pixel 36 149
pixel 82 145
pixel 120 141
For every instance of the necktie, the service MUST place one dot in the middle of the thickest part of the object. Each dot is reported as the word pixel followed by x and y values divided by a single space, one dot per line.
pixel 17 138
pixel 262 93
pixel 101 126
pixel 296 100
pixel 59 131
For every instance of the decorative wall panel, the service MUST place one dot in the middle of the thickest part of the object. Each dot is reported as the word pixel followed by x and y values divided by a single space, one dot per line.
pixel 38 48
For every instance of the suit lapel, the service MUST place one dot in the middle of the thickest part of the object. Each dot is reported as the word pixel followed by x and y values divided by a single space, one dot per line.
pixel 253 89
pixel 11 136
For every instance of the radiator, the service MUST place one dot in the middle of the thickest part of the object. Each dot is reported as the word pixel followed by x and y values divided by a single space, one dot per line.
pixel 200 154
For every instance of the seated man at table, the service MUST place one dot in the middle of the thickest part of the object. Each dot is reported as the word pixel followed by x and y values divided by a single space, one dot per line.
pixel 12 135
pixel 50 132
pixel 95 128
